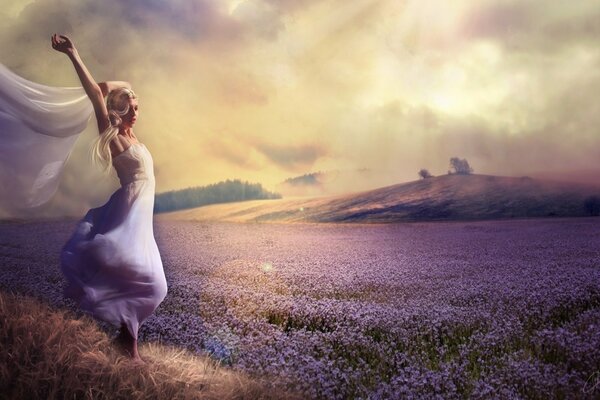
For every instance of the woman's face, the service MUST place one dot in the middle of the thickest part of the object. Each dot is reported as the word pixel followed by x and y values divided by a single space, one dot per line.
pixel 130 118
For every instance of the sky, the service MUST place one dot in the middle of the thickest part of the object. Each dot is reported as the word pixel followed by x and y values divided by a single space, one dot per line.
pixel 265 90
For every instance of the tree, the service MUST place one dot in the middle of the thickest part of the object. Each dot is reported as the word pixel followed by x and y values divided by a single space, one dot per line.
pixel 424 174
pixel 460 167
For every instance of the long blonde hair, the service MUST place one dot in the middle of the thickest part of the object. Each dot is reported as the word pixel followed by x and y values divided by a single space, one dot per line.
pixel 117 104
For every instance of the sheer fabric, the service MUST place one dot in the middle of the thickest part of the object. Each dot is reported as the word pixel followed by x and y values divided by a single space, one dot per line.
pixel 38 128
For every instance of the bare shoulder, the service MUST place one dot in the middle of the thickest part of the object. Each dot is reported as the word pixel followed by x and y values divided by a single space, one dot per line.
pixel 119 144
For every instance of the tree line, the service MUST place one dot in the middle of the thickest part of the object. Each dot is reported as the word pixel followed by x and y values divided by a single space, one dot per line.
pixel 222 192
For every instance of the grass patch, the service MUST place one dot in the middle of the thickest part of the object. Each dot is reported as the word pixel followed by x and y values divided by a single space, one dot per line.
pixel 50 354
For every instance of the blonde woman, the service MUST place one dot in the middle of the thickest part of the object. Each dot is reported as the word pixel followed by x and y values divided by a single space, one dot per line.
pixel 111 262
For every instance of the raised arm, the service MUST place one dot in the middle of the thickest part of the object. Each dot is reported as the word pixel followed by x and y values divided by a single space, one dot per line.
pixel 64 45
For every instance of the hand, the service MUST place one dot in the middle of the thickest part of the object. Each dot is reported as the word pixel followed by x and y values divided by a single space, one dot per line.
pixel 62 43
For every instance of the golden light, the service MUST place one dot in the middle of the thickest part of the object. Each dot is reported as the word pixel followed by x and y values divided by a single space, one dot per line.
pixel 266 267
pixel 233 5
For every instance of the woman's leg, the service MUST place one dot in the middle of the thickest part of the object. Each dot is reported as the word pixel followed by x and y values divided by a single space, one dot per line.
pixel 128 343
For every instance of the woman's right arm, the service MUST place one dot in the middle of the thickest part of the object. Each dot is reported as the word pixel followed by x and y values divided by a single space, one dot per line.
pixel 64 45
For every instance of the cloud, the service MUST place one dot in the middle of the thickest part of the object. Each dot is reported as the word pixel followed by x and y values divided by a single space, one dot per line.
pixel 191 20
pixel 292 157
pixel 237 90
pixel 498 20
pixel 235 151
pixel 261 17
pixel 534 25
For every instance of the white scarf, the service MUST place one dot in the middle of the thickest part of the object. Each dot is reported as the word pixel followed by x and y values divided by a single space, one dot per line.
pixel 38 129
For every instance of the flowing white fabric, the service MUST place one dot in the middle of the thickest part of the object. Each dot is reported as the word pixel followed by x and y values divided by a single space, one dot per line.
pixel 38 128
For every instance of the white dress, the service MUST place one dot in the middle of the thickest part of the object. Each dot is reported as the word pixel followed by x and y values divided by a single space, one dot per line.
pixel 111 262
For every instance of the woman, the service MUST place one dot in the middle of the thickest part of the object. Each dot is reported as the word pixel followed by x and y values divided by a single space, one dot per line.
pixel 111 262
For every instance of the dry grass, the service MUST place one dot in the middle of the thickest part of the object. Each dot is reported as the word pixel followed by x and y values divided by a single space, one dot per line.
pixel 50 354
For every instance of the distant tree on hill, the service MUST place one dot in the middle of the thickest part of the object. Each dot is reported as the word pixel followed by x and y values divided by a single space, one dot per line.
pixel 459 167
pixel 424 174
pixel 592 205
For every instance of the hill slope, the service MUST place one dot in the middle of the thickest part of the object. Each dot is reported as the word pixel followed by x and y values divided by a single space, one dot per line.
pixel 448 197
pixel 48 353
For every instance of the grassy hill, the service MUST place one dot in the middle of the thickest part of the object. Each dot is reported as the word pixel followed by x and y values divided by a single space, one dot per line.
pixel 50 354
pixel 447 197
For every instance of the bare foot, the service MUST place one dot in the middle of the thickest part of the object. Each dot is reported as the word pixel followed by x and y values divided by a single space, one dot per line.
pixel 138 361
pixel 128 344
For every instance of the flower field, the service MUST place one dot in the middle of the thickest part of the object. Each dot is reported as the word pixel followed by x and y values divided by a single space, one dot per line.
pixel 493 309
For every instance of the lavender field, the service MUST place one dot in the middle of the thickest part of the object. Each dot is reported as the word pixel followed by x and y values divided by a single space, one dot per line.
pixel 498 309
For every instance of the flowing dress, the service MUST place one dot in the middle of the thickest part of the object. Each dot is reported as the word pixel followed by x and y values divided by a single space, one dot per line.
pixel 111 262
